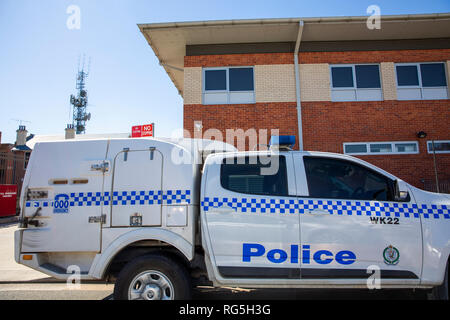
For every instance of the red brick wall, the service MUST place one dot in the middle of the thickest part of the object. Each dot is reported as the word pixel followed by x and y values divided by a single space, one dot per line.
pixel 327 125
pixel 238 59
pixel 280 115
pixel 318 57
pixel 397 56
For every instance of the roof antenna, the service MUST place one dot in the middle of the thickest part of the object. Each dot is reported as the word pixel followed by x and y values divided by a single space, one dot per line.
pixel 21 121
pixel 80 101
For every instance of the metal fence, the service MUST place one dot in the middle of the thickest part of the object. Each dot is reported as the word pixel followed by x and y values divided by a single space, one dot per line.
pixel 12 170
pixel 430 185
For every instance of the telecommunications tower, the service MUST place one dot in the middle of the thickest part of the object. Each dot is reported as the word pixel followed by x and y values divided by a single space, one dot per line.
pixel 80 102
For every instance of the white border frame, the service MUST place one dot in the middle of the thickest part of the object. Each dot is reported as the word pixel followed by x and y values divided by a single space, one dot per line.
pixel 227 91
pixel 392 143
pixel 436 141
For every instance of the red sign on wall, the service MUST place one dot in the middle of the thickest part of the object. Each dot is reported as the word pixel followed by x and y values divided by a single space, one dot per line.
pixel 8 200
pixel 146 130
pixel 136 131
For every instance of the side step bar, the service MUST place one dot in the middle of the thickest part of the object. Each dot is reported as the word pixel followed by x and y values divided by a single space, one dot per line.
pixel 58 270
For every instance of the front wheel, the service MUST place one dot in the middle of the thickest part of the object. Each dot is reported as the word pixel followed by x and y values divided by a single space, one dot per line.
pixel 153 277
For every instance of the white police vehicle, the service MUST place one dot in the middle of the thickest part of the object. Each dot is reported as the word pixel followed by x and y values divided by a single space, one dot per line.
pixel 146 214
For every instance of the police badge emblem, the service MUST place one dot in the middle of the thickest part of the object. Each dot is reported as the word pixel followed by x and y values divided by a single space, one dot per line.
pixel 391 255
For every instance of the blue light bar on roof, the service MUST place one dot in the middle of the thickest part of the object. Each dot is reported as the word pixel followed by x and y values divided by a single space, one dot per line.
pixel 288 141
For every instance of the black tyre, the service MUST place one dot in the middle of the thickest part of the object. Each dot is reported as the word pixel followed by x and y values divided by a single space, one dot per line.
pixel 441 292
pixel 153 277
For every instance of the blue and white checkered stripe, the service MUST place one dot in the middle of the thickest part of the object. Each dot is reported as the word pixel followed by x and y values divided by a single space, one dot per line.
pixel 334 207
pixel 124 198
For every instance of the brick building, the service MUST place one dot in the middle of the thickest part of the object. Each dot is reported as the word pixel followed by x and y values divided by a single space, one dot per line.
pixel 343 86
pixel 13 163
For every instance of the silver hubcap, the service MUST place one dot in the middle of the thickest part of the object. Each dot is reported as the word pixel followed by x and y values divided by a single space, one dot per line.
pixel 151 285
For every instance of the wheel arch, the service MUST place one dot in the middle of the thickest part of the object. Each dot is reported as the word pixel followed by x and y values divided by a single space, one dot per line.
pixel 150 239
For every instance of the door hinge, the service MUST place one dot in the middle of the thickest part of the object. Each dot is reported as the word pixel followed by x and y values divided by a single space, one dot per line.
pixel 103 167
pixel 98 219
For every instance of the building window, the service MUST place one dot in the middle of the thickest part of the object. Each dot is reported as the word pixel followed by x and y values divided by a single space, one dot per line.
pixel 380 148
pixel 246 177
pixel 215 80
pixel 3 168
pixel 355 82
pixel 421 81
pixel 440 146
pixel 228 85
pixel 26 159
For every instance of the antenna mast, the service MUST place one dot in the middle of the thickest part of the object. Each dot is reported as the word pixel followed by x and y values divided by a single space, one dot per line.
pixel 80 101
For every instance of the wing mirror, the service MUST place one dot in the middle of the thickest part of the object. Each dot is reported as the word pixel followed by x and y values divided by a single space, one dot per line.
pixel 401 191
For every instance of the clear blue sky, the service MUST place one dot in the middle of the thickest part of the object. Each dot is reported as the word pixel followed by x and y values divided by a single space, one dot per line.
pixel 39 56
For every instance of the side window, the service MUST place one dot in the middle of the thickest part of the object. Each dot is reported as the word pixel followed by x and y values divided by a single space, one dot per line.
pixel 245 177
pixel 340 179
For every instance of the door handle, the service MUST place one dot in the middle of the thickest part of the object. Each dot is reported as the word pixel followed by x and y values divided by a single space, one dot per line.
pixel 318 212
pixel 224 209
pixel 97 219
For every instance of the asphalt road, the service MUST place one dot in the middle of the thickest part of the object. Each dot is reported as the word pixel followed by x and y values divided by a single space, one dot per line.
pixel 60 291
pixel 18 282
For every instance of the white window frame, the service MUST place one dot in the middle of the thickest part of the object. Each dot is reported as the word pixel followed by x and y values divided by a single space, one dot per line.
pixel 392 143
pixel 227 83
pixel 355 88
pixel 436 141
pixel 419 76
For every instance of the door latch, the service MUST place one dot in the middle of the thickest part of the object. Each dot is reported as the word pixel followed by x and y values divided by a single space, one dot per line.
pixel 103 167
pixel 98 219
